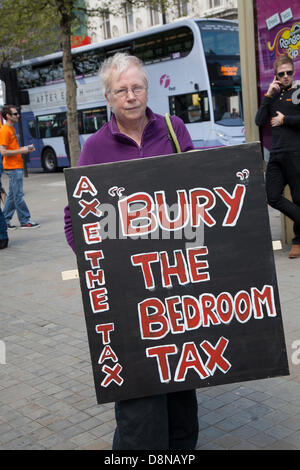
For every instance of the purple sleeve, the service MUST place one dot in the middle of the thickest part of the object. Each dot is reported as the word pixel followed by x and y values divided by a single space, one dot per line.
pixel 90 153
pixel 68 228
pixel 83 161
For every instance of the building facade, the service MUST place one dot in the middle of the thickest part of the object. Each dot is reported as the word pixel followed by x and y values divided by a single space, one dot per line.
pixel 131 19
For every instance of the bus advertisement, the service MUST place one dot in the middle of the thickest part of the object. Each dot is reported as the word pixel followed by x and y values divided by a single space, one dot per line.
pixel 278 31
pixel 194 72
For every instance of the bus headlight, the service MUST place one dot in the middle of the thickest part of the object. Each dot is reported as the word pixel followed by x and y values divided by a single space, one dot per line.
pixel 222 136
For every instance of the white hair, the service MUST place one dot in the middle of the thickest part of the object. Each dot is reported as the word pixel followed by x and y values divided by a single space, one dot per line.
pixel 120 62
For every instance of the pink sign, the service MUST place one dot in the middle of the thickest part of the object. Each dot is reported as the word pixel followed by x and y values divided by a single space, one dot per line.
pixel 278 33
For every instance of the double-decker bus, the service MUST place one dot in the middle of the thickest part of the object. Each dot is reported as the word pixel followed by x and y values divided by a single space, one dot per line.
pixel 194 72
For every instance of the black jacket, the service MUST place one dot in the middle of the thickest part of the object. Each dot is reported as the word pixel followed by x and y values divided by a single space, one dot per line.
pixel 287 136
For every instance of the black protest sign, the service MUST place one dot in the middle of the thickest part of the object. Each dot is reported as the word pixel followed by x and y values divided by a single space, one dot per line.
pixel 177 272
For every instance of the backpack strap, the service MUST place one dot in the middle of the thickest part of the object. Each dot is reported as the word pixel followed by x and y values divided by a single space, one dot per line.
pixel 172 135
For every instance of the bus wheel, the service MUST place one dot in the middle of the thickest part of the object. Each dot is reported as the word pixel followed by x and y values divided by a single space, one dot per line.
pixel 49 160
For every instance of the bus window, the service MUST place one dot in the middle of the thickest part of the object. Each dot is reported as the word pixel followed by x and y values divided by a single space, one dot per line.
pixel 51 125
pixel 32 129
pixel 93 119
pixel 220 38
pixel 57 72
pixel 87 63
pixel 191 107
pixel 30 76
pixel 227 106
pixel 45 126
pixel 168 45
pixel 172 44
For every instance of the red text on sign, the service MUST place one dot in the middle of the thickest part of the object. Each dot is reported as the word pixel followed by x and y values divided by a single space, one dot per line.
pixel 190 360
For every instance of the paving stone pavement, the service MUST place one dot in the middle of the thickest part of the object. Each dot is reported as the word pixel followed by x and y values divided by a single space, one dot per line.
pixel 47 397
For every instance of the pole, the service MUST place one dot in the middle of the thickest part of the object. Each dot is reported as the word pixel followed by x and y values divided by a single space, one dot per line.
pixel 21 134
pixel 163 12
pixel 248 68
pixel 22 144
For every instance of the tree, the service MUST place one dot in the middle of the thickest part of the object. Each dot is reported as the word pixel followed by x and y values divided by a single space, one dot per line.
pixel 21 34
pixel 32 19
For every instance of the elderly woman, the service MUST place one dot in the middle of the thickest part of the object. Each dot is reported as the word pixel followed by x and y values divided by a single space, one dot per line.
pixel 158 422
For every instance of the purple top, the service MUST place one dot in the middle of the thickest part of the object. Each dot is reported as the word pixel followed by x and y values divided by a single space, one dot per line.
pixel 108 144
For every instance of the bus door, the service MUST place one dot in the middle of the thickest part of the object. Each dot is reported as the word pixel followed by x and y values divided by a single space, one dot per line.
pixel 30 134
pixel 90 120
pixel 193 108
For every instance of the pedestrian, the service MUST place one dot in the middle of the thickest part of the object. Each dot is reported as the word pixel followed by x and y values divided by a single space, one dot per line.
pixel 1 172
pixel 2 190
pixel 3 232
pixel 169 421
pixel 280 108
pixel 64 131
pixel 3 228
pixel 13 167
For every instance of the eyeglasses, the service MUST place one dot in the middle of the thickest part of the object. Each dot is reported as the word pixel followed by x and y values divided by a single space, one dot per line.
pixel 14 114
pixel 282 74
pixel 136 90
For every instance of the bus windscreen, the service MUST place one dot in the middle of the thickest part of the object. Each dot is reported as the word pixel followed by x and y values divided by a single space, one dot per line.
pixel 222 53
